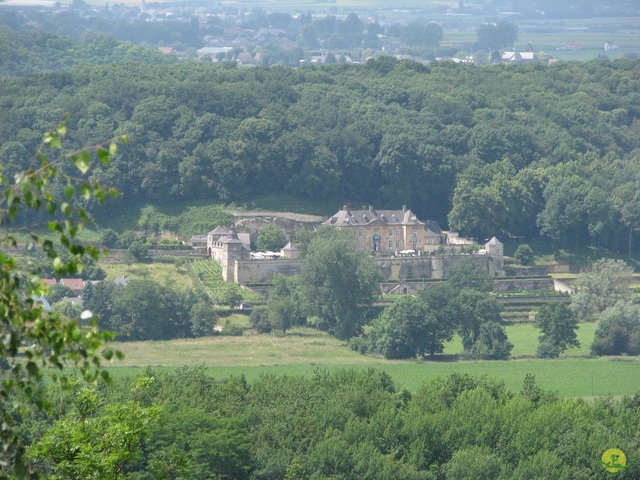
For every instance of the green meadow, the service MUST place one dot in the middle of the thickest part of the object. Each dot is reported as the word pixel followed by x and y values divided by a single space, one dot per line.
pixel 304 351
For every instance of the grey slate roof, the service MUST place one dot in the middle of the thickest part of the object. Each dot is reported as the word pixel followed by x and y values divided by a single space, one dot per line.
pixel 219 230
pixel 346 217
pixel 288 246
pixel 231 235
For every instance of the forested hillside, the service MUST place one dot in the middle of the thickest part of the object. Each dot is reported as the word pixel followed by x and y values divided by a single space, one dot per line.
pixel 343 425
pixel 31 51
pixel 506 150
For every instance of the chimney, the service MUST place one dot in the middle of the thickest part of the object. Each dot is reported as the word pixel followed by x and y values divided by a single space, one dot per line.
pixel 371 209
pixel 344 207
pixel 404 209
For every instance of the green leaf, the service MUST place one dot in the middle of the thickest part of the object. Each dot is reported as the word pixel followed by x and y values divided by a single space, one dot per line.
pixel 85 191
pixel 52 139
pixel 62 129
pixel 69 190
pixel 82 161
pixel 58 264
pixel 100 194
pixel 103 156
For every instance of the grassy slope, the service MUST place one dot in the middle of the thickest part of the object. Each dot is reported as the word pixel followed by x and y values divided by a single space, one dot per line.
pixel 185 218
pixel 304 351
pixel 158 272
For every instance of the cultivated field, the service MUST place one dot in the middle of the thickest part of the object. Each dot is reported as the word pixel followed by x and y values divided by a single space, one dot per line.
pixel 303 351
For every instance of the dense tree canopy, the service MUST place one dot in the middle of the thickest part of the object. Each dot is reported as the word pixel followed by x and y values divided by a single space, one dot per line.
pixel 415 326
pixel 342 424
pixel 147 310
pixel 520 150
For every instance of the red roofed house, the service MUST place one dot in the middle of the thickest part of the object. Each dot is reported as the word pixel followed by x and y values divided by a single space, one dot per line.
pixel 75 284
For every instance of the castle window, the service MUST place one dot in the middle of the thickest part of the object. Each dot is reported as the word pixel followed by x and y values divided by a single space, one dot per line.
pixel 390 243
pixel 360 233
pixel 390 231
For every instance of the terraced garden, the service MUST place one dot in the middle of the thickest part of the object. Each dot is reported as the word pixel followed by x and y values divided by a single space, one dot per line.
pixel 207 275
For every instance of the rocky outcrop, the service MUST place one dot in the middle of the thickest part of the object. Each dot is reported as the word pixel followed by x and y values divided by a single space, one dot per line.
pixel 254 221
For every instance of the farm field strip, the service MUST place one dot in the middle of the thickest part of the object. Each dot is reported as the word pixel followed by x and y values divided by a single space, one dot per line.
pixel 585 377
pixel 304 351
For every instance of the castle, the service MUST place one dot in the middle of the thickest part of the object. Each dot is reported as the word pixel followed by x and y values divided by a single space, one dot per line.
pixel 404 247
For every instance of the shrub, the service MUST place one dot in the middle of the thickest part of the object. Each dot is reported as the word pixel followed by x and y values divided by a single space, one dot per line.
pixel 618 330
pixel 233 330
pixel 492 343
pixel 259 319
pixel 109 238
pixel 524 254
pixel 139 250
pixel 203 318
pixel 547 349
pixel 361 345
pixel 126 238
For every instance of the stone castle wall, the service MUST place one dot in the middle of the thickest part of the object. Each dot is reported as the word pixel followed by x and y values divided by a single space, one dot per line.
pixel 262 271
pixel 401 268
pixel 523 284
pixel 499 285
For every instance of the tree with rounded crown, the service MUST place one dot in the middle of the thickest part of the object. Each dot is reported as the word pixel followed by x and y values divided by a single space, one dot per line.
pixel 558 325
pixel 271 237
pixel 600 286
pixel 338 283
pixel 406 329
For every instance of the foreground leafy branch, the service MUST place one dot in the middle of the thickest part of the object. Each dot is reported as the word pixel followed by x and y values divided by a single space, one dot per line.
pixel 32 338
